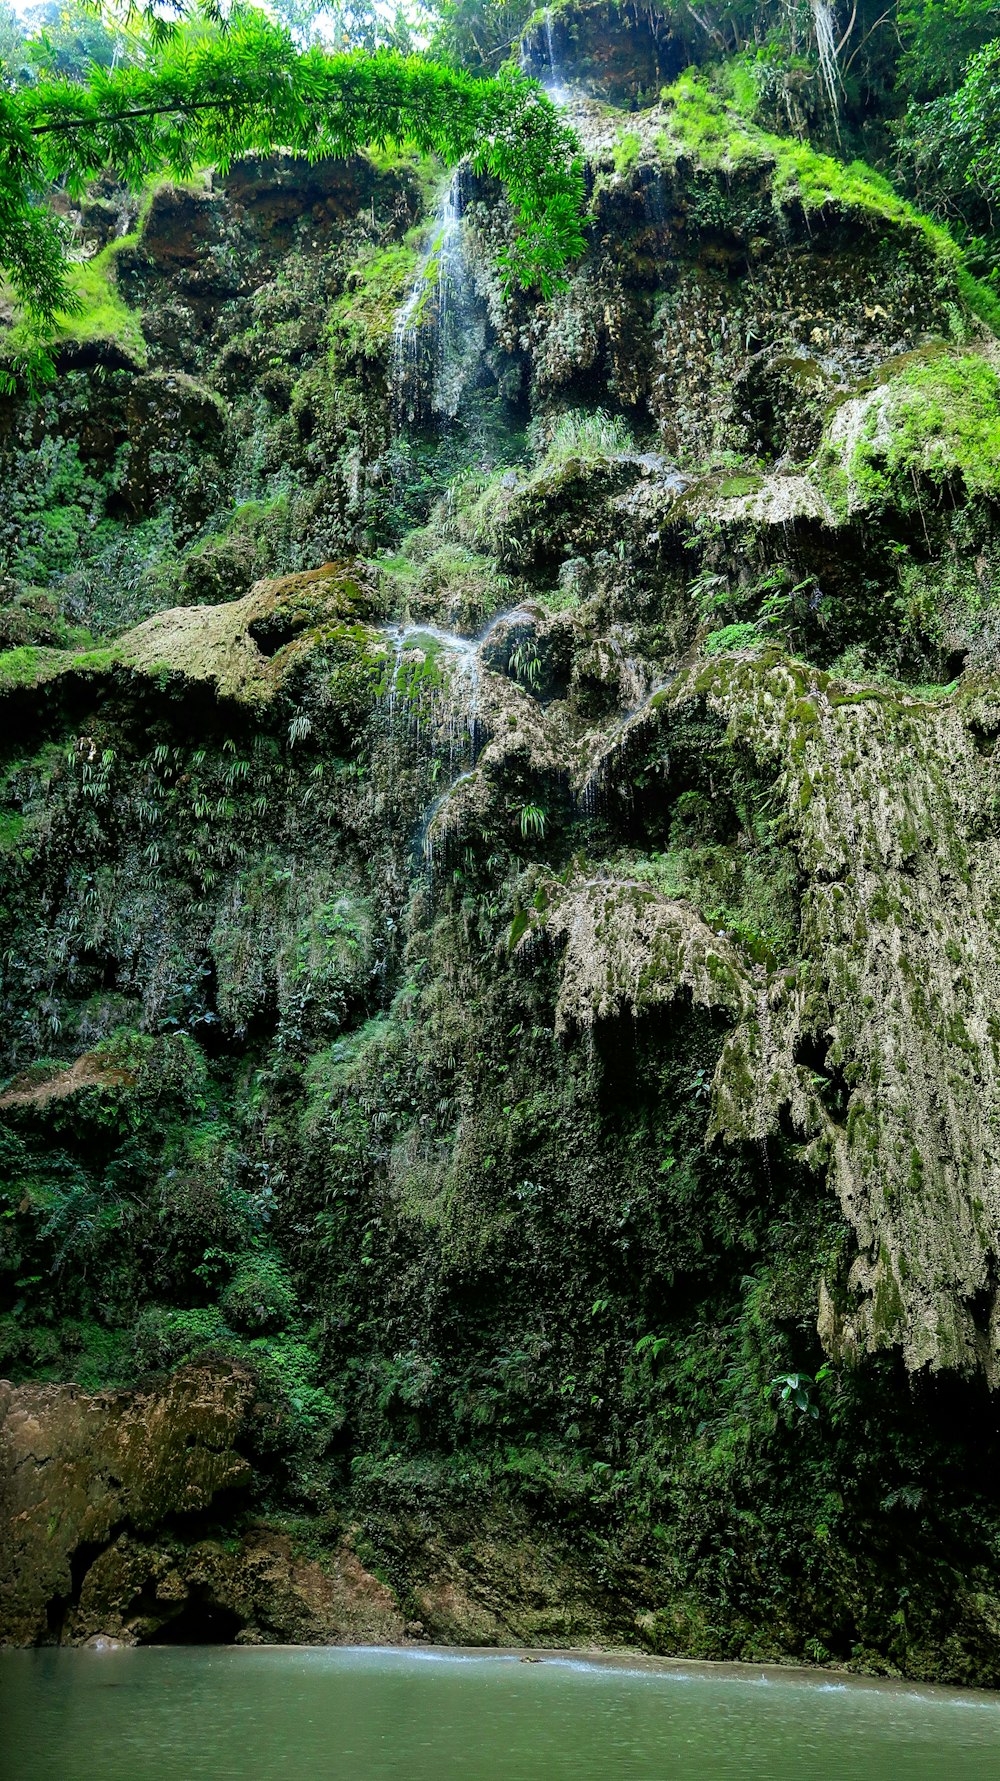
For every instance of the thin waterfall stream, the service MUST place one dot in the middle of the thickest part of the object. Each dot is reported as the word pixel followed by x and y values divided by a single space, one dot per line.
pixel 548 73
pixel 434 340
pixel 437 340
pixel 432 687
pixel 555 87
pixel 826 49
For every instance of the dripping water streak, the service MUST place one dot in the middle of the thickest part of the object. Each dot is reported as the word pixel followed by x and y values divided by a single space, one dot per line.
pixel 554 86
pixel 448 715
pixel 429 328
pixel 826 47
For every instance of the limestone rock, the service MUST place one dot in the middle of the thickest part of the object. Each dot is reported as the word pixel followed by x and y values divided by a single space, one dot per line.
pixel 103 1499
pixel 77 1469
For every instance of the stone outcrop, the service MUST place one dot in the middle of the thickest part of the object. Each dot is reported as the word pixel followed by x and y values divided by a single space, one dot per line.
pixel 78 1469
pixel 105 1500
pixel 621 54
pixel 881 1042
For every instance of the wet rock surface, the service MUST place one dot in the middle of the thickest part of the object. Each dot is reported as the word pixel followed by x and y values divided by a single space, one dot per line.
pixel 499 856
pixel 105 1498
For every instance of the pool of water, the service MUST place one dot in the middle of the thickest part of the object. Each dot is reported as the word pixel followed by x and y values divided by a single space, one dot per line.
pixel 231 1714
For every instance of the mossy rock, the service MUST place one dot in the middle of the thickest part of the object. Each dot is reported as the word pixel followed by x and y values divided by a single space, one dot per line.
pixel 243 650
pixel 929 427
pixel 260 1297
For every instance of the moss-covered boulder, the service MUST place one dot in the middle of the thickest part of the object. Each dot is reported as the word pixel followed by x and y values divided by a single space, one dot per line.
pixel 108 1497
pixel 241 650
pixel 926 433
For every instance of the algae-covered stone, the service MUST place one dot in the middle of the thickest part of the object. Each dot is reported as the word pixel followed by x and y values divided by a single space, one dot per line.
pixel 900 844
pixel 244 649
pixel 105 1496
pixel 930 425
pixel 627 948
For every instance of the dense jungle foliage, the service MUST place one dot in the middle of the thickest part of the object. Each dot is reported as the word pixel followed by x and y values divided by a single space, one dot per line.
pixel 498 797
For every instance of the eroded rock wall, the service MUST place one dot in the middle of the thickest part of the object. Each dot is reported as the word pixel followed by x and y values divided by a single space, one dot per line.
pixel 499 923
pixel 115 1506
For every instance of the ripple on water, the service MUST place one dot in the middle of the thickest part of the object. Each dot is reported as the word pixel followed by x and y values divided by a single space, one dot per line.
pixel 428 1714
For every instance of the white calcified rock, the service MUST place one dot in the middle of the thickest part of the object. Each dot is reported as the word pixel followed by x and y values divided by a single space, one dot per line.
pixel 894 804
pixel 627 948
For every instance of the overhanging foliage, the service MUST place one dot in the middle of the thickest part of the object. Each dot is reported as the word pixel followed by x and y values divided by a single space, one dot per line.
pixel 206 98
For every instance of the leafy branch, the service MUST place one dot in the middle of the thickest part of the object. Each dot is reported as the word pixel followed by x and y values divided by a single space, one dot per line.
pixel 793 1391
pixel 210 97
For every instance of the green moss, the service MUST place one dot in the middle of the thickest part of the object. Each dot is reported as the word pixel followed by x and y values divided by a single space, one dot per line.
pixel 29 666
pixel 702 126
pixel 732 487
pixel 718 138
pixel 625 151
pixel 930 426
pixel 733 637
pixel 101 317
pixel 91 661
pixel 978 296
pixel 260 1297
pixel 425 170
pixel 362 320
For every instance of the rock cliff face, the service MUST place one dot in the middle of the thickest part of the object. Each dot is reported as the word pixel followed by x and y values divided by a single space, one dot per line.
pixel 103 1495
pixel 499 853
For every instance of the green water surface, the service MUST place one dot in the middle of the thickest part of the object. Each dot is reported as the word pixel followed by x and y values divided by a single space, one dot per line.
pixel 231 1714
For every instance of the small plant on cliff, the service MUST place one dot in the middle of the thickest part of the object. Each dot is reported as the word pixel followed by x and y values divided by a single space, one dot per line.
pixel 532 821
pixel 794 1391
pixel 525 665
pixel 587 438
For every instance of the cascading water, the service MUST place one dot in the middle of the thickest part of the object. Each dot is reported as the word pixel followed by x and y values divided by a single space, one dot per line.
pixel 435 342
pixel 826 46
pixel 430 695
pixel 432 691
pixel 432 826
pixel 432 684
pixel 424 693
pixel 555 87
pixel 548 75
pixel 590 795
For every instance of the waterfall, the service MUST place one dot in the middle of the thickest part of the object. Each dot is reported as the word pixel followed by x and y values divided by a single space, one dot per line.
pixel 432 693
pixel 548 76
pixel 447 696
pixel 438 698
pixel 554 86
pixel 826 45
pixel 590 796
pixel 434 339
pixel 432 830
